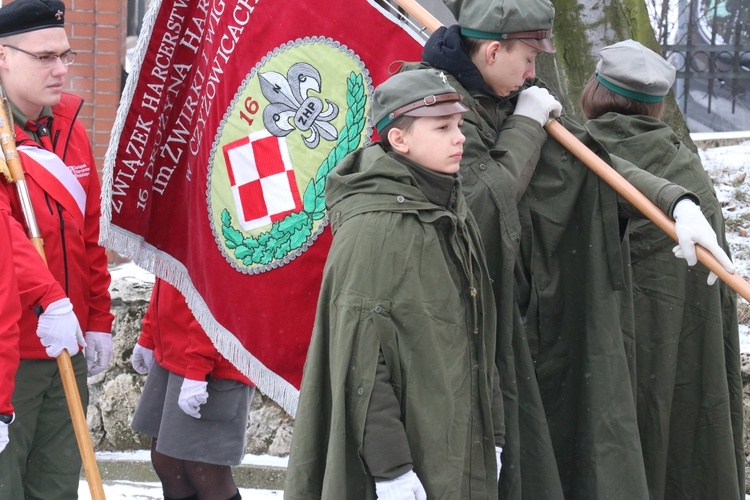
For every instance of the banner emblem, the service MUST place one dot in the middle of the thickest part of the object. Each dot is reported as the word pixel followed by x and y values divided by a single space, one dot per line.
pixel 282 134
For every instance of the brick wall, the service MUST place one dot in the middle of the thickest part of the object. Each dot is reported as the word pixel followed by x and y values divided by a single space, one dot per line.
pixel 96 31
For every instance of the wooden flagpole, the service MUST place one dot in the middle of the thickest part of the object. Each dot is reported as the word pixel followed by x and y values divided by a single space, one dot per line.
pixel 64 364
pixel 607 173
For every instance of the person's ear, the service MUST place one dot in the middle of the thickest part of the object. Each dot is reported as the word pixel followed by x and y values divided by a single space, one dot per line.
pixel 490 52
pixel 397 139
pixel 3 57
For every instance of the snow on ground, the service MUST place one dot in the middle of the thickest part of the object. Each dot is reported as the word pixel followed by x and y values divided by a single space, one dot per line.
pixel 727 166
pixel 117 490
pixel 138 490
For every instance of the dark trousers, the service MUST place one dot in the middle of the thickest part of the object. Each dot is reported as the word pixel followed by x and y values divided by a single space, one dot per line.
pixel 42 460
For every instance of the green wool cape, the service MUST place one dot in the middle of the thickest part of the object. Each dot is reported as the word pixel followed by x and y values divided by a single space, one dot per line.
pixel 398 279
pixel 565 347
pixel 689 387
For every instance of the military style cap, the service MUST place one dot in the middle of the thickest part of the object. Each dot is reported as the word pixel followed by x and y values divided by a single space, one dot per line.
pixel 422 92
pixel 527 20
pixel 634 71
pixel 22 16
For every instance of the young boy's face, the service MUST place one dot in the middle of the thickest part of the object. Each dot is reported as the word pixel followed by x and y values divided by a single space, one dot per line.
pixel 435 142
pixel 510 68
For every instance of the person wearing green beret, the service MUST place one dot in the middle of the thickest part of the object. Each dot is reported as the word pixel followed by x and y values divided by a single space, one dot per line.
pixel 551 233
pixel 400 396
pixel 689 385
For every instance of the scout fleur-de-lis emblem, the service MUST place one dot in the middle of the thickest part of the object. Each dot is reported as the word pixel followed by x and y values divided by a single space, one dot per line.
pixel 291 107
pixel 444 78
pixel 58 15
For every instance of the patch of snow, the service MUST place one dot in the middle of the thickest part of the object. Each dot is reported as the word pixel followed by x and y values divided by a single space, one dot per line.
pixel 129 271
pixel 727 166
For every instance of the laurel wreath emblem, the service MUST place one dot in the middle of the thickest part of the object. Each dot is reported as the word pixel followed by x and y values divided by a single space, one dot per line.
pixel 293 231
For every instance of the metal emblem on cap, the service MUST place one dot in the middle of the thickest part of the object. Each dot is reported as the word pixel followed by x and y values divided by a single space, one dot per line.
pixel 58 15
pixel 444 78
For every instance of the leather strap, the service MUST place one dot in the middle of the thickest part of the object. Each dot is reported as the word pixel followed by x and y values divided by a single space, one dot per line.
pixel 429 100
pixel 534 35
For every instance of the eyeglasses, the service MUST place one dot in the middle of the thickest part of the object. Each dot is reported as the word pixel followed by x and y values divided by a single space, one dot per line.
pixel 66 57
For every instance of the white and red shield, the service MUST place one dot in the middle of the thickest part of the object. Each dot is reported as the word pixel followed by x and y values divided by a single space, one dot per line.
pixel 262 179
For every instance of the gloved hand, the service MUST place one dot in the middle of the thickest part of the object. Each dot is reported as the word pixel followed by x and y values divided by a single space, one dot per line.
pixel 498 454
pixel 404 487
pixel 58 329
pixel 4 440
pixel 3 436
pixel 193 394
pixel 712 277
pixel 538 104
pixel 143 358
pixel 98 351
pixel 691 228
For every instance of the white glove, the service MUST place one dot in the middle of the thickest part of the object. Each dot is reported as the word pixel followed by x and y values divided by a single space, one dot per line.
pixel 98 351
pixel 143 358
pixel 691 228
pixel 405 487
pixel 58 329
pixel 498 454
pixel 3 436
pixel 193 394
pixel 677 251
pixel 538 104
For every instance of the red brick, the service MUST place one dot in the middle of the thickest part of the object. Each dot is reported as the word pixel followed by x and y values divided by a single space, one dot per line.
pixel 107 19
pixel 80 16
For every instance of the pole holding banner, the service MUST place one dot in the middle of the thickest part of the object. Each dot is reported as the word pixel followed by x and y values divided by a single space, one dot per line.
pixel 607 174
pixel 64 364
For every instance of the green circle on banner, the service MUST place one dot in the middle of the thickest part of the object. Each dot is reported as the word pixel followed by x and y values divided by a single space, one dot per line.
pixel 300 110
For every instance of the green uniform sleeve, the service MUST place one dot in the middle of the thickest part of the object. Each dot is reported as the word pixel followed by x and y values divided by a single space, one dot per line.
pixel 385 447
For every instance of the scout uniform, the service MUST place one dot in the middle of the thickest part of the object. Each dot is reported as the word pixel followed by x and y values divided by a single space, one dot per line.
pixel 689 387
pixel 404 340
pixel 564 350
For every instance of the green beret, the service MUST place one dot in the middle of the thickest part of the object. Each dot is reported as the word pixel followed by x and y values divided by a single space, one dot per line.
pixel 422 92
pixel 22 16
pixel 634 71
pixel 527 20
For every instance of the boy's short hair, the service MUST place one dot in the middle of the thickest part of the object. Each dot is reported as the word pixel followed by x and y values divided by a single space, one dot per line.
pixel 403 123
pixel 471 46
pixel 421 92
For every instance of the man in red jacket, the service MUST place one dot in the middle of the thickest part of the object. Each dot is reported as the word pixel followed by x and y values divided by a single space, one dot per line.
pixel 194 403
pixel 69 294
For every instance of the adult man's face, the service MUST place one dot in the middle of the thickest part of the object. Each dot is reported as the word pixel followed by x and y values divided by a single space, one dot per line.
pixel 28 82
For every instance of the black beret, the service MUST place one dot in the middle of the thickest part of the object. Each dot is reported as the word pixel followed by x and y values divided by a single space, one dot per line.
pixel 22 16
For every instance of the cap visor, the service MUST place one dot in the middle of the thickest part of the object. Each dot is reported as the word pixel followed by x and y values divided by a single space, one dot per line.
pixel 542 45
pixel 442 109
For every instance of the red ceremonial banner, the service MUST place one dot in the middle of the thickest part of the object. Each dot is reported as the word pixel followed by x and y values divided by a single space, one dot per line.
pixel 214 178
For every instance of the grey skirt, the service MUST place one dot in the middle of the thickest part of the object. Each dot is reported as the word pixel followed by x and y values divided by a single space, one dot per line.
pixel 217 437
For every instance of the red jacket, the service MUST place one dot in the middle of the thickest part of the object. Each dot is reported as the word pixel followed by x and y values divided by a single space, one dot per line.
pixel 70 231
pixel 10 311
pixel 179 343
